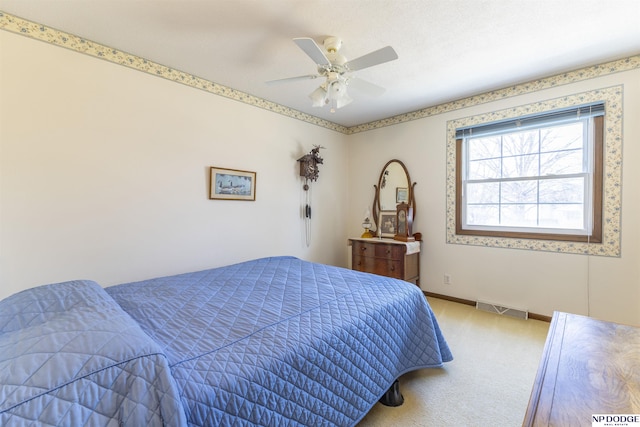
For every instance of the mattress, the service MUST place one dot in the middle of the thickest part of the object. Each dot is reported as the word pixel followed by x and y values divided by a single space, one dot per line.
pixel 274 342
pixel 282 341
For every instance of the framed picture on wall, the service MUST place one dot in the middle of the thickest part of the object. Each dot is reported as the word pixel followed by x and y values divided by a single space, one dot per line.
pixel 232 184
pixel 402 195
pixel 388 223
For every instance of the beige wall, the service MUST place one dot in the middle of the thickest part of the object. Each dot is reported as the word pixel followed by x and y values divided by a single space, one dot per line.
pixel 541 282
pixel 103 175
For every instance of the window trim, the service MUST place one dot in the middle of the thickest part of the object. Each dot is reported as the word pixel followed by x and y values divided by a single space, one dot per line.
pixel 597 203
pixel 611 245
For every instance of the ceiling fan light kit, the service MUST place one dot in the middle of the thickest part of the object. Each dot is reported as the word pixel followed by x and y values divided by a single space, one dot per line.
pixel 319 97
pixel 333 92
pixel 336 70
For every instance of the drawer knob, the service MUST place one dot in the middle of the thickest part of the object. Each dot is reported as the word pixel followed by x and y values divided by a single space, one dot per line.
pixel 363 248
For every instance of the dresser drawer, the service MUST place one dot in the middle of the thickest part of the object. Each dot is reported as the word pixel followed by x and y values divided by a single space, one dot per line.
pixel 388 251
pixel 364 249
pixel 363 263
pixel 395 252
pixel 391 268
pixel 382 267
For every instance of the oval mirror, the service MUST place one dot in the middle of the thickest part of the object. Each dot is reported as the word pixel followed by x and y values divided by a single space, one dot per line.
pixel 394 186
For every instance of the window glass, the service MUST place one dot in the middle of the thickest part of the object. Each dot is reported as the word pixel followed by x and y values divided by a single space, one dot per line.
pixel 536 178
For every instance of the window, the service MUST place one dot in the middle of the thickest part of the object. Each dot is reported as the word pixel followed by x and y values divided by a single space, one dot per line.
pixel 536 176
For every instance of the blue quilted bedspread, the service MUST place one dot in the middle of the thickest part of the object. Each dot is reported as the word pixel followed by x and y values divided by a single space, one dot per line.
pixel 70 356
pixel 281 342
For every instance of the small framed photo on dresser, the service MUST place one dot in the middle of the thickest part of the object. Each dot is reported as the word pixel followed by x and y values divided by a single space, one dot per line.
pixel 388 226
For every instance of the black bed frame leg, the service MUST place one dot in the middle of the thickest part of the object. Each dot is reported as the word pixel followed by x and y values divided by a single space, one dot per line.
pixel 393 397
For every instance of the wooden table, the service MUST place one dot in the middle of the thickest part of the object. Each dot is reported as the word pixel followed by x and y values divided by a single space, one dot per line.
pixel 588 367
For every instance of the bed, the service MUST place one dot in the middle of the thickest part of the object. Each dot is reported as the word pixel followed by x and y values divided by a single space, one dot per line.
pixel 273 341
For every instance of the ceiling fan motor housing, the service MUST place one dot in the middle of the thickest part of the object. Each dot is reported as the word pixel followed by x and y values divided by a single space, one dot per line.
pixel 336 60
pixel 332 44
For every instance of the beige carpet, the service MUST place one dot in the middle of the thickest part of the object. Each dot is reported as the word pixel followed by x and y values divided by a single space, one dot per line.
pixel 487 384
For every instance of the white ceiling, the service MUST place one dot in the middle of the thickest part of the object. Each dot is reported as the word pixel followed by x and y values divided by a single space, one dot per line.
pixel 448 49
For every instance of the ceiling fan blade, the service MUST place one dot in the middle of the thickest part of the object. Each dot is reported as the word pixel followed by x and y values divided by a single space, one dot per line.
pixel 366 87
pixel 309 46
pixel 293 79
pixel 376 57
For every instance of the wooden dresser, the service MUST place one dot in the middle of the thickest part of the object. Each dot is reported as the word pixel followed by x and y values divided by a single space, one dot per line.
pixel 387 257
pixel 588 367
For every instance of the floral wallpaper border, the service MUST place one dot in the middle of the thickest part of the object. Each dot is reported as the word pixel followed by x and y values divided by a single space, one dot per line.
pixel 59 38
pixel 612 198
pixel 43 33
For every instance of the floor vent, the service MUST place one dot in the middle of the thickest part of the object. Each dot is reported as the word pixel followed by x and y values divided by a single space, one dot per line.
pixel 507 311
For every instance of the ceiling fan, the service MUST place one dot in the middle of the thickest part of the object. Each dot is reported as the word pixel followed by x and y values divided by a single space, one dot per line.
pixel 336 70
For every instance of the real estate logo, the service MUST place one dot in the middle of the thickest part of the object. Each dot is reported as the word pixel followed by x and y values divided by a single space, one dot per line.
pixel 615 420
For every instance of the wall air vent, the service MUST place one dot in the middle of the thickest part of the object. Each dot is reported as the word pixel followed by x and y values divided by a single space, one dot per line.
pixel 499 309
